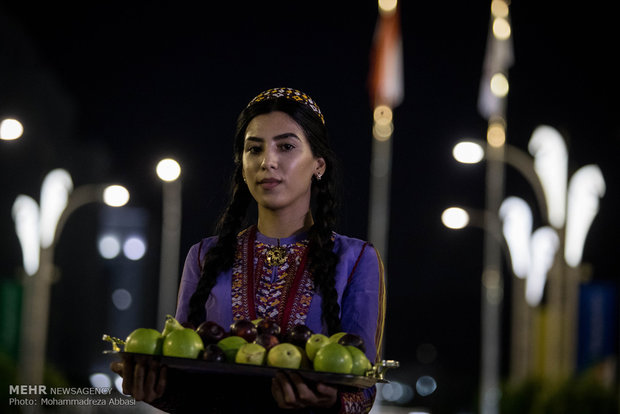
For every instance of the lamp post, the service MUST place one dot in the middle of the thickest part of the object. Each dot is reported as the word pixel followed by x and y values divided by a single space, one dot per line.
pixel 38 230
pixel 169 171
pixel 569 207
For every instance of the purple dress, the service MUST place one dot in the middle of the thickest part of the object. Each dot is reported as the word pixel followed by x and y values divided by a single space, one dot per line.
pixel 284 291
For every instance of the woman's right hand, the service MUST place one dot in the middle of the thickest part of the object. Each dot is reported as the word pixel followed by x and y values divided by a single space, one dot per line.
pixel 143 378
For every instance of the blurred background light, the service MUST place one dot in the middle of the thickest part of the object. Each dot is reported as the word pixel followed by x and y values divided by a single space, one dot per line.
pixel 168 169
pixel 551 164
pixel 134 248
pixel 55 191
pixel 496 134
pixel 118 383
pixel 426 353
pixel 25 213
pixel 383 114
pixel 516 217
pixel 387 5
pixel 425 385
pixel 499 85
pixel 501 28
pixel 100 380
pixel 585 189
pixel 11 129
pixel 544 245
pixel 115 196
pixel 121 298
pixel 455 218
pixel 109 246
pixel 468 152
pixel 499 9
pixel 396 392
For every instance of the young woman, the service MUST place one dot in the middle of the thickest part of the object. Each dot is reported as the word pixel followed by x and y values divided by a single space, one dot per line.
pixel 290 266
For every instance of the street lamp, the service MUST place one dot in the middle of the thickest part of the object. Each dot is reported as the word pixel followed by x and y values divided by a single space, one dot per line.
pixel 11 129
pixel 169 171
pixel 38 229
pixel 569 208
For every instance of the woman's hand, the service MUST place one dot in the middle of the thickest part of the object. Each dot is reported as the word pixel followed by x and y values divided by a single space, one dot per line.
pixel 290 391
pixel 143 378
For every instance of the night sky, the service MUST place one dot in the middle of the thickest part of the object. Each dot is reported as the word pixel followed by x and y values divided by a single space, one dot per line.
pixel 105 90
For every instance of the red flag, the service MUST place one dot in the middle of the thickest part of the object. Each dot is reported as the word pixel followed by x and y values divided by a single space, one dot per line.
pixel 386 79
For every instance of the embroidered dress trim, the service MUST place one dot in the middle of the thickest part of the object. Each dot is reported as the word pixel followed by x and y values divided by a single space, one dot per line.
pixel 280 291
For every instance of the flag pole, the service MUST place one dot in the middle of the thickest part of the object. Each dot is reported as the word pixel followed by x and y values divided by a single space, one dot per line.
pixel 492 106
pixel 386 92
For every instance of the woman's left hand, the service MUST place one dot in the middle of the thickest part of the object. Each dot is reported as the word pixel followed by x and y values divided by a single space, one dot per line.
pixel 290 391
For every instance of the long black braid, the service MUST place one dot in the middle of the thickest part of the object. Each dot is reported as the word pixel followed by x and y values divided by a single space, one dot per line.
pixel 322 259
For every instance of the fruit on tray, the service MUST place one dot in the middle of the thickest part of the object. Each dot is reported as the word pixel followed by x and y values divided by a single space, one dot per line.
pixel 144 341
pixel 182 343
pixel 333 357
pixel 170 325
pixel 251 353
pixel 284 355
pixel 361 364
pixel 258 342
pixel 314 343
pixel 211 332
pixel 230 345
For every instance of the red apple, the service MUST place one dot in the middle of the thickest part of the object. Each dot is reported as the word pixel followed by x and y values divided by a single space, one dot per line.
pixel 244 328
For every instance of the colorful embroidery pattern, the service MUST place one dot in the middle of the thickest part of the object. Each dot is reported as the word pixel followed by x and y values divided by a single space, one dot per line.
pixel 283 292
pixel 292 94
pixel 357 402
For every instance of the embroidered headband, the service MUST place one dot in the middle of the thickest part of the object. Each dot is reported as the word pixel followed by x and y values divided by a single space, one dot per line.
pixel 292 94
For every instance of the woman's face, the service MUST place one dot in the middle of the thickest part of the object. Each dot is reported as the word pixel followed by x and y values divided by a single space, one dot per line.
pixel 278 163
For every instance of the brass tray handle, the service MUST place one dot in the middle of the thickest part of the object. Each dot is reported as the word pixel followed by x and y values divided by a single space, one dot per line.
pixel 379 369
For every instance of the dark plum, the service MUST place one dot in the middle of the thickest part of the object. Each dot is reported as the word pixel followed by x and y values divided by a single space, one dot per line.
pixel 245 329
pixel 213 353
pixel 210 332
pixel 299 335
pixel 266 340
pixel 268 326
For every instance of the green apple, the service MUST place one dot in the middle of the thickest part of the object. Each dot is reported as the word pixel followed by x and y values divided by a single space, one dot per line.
pixel 230 345
pixel 361 364
pixel 144 341
pixel 170 325
pixel 284 355
pixel 182 343
pixel 253 354
pixel 315 342
pixel 336 337
pixel 333 357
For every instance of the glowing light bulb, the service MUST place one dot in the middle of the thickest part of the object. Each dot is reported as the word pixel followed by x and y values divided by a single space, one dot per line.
pixel 11 129
pixel 455 218
pixel 168 169
pixel 499 85
pixel 387 6
pixel 499 8
pixel 501 28
pixel 468 152
pixel 115 196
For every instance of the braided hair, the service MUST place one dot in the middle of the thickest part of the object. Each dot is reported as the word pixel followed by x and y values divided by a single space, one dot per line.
pixel 322 260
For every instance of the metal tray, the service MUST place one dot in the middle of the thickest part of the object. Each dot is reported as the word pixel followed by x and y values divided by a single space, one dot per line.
pixel 198 366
